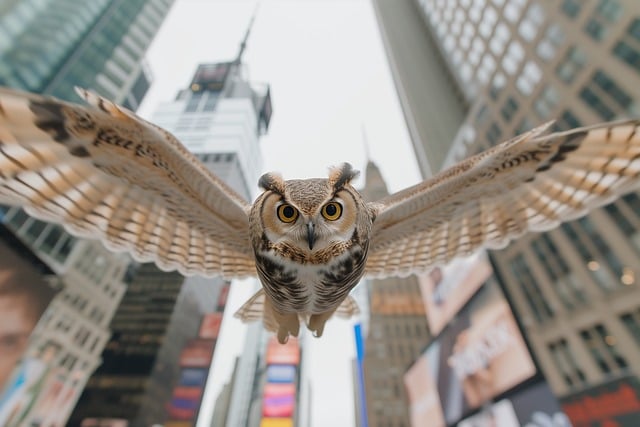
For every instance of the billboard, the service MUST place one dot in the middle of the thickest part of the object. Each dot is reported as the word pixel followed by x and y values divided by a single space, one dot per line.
pixel 535 406
pixel 192 377
pixel 210 326
pixel 278 405
pixel 197 353
pixel 445 290
pixel 616 403
pixel 480 355
pixel 24 296
pixel 210 76
pixel 281 374
pixel 276 422
pixel 283 354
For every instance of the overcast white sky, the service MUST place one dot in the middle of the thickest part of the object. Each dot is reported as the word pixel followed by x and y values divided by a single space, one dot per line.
pixel 329 78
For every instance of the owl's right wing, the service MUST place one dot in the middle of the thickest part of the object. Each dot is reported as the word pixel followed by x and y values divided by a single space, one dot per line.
pixel 105 173
pixel 530 183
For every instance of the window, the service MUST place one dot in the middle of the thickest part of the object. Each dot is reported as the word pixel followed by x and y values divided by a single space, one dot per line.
pixel 553 38
pixel 622 222
pixel 600 275
pixel 567 120
pixel 632 322
pixel 607 12
pixel 602 248
pixel 565 362
pixel 194 101
pixel 569 289
pixel 493 134
pixel 529 78
pixel 571 8
pixel 509 109
pixel 627 54
pixel 602 346
pixel 546 102
pixel 573 62
pixel 596 103
pixel 535 298
pixel 609 87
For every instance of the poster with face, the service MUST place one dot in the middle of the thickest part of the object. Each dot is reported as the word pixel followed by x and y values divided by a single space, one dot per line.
pixel 24 296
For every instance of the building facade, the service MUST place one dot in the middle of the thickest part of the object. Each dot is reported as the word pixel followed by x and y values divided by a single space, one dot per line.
pixel 52 46
pixel 396 334
pixel 154 369
pixel 520 63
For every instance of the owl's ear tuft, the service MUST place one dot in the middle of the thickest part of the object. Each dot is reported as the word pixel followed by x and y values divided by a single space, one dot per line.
pixel 341 175
pixel 272 181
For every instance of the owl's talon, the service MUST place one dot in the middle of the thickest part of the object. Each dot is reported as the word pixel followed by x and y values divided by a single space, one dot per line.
pixel 283 336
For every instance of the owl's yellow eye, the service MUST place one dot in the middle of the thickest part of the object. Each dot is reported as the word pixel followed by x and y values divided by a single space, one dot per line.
pixel 332 211
pixel 287 213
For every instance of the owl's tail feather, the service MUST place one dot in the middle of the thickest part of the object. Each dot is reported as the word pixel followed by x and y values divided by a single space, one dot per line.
pixel 348 307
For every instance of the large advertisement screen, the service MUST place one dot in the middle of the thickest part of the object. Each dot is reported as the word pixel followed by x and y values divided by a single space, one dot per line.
pixel 480 355
pixel 446 289
pixel 24 296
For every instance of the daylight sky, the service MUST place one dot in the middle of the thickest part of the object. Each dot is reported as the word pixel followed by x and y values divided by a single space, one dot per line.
pixel 329 80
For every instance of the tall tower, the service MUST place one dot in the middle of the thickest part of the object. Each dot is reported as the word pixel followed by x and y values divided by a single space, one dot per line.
pixel 397 333
pixel 48 47
pixel 158 360
pixel 51 46
pixel 520 63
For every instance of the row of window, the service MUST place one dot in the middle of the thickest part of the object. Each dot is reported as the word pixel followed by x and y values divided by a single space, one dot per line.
pixel 602 346
pixel 601 261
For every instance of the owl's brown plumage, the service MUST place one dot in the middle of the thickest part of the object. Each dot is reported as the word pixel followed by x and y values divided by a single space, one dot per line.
pixel 105 173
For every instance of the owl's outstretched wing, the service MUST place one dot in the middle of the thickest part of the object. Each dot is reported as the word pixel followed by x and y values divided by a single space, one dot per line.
pixel 105 173
pixel 530 183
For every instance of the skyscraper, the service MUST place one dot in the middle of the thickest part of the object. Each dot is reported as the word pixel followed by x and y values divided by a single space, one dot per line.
pixel 397 333
pixel 53 45
pixel 520 63
pixel 154 369
pixel 49 47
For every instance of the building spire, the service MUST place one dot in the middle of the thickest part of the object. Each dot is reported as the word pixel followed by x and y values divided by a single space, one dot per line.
pixel 243 43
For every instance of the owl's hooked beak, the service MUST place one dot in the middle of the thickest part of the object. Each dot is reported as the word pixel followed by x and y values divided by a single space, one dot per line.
pixel 311 236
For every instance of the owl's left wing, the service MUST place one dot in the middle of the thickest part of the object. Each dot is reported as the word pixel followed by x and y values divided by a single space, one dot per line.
pixel 530 183
pixel 105 173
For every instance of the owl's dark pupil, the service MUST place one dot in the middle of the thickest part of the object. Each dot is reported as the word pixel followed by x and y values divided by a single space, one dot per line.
pixel 331 210
pixel 288 212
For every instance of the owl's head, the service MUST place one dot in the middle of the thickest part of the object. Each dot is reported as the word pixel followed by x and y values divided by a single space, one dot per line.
pixel 311 215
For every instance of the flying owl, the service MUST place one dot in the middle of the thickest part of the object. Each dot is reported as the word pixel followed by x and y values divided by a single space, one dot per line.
pixel 105 173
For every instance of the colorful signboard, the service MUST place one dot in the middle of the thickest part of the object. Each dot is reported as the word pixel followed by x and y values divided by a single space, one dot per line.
pixel 197 353
pixel 281 373
pixel 279 393
pixel 210 326
pixel 283 354
pixel 276 422
pixel 616 403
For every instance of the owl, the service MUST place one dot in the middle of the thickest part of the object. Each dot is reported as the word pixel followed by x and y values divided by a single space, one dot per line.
pixel 105 173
